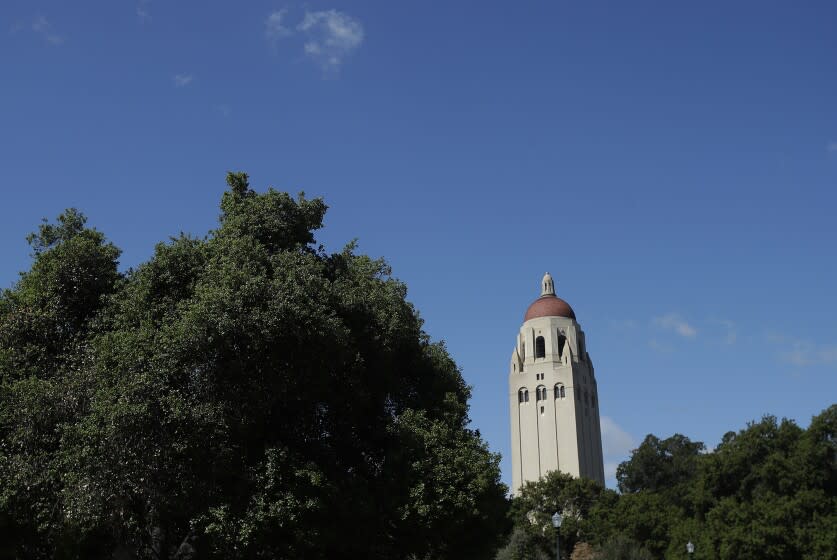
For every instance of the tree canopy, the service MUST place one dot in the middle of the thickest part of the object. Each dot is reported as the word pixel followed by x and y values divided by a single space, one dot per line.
pixel 767 492
pixel 239 395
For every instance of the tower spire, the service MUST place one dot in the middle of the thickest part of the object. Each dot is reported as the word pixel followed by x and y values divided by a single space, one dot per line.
pixel 547 285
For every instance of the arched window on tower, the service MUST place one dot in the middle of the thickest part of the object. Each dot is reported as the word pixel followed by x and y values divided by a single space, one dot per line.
pixel 540 347
pixel 541 393
pixel 523 395
pixel 561 341
pixel 559 391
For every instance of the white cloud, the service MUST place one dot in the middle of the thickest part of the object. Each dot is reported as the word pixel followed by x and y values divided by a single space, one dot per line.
pixel 616 442
pixel 610 472
pixel 43 27
pixel 674 322
pixel 804 353
pixel 331 36
pixel 274 27
pixel 828 354
pixel 617 445
pixel 143 14
pixel 623 324
pixel 801 353
pixel 223 110
pixel 182 80
pixel 832 147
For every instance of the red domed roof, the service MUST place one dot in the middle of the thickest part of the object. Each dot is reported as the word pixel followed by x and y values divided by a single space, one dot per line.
pixel 549 306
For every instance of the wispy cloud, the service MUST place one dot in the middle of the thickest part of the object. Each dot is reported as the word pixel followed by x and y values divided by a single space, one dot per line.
pixel 617 444
pixel 331 37
pixel 832 147
pixel 730 335
pixel 274 26
pixel 659 346
pixel 41 26
pixel 143 13
pixel 673 322
pixel 623 324
pixel 223 110
pixel 802 353
pixel 182 80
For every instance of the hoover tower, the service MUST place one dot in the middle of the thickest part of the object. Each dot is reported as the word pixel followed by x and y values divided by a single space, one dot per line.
pixel 553 397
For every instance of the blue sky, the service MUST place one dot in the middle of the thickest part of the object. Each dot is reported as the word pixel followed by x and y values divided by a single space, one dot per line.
pixel 672 164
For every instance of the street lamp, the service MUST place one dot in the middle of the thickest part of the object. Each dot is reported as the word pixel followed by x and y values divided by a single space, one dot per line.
pixel 690 549
pixel 556 522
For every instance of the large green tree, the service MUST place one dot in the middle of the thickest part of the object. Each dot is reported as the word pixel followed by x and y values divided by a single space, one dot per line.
pixel 765 492
pixel 584 504
pixel 242 395
pixel 658 465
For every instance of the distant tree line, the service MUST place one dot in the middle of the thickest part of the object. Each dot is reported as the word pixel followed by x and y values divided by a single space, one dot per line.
pixel 767 492
pixel 247 395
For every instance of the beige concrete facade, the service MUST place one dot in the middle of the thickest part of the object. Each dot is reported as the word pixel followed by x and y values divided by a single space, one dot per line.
pixel 554 401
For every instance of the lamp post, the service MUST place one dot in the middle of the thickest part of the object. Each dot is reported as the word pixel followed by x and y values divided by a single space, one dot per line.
pixel 556 522
pixel 690 549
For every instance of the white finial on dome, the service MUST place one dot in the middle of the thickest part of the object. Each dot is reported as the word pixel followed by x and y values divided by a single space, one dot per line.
pixel 547 286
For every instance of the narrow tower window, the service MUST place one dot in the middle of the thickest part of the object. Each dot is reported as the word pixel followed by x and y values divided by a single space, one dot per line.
pixel 561 341
pixel 559 391
pixel 523 396
pixel 540 347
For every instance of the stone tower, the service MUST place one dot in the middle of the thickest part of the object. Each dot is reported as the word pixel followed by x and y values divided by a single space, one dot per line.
pixel 553 398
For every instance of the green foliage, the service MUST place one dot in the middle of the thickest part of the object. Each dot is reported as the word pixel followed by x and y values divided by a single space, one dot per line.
pixel 583 504
pixel 240 396
pixel 47 313
pixel 522 545
pixel 772 490
pixel 622 548
pixel 658 465
pixel 766 492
